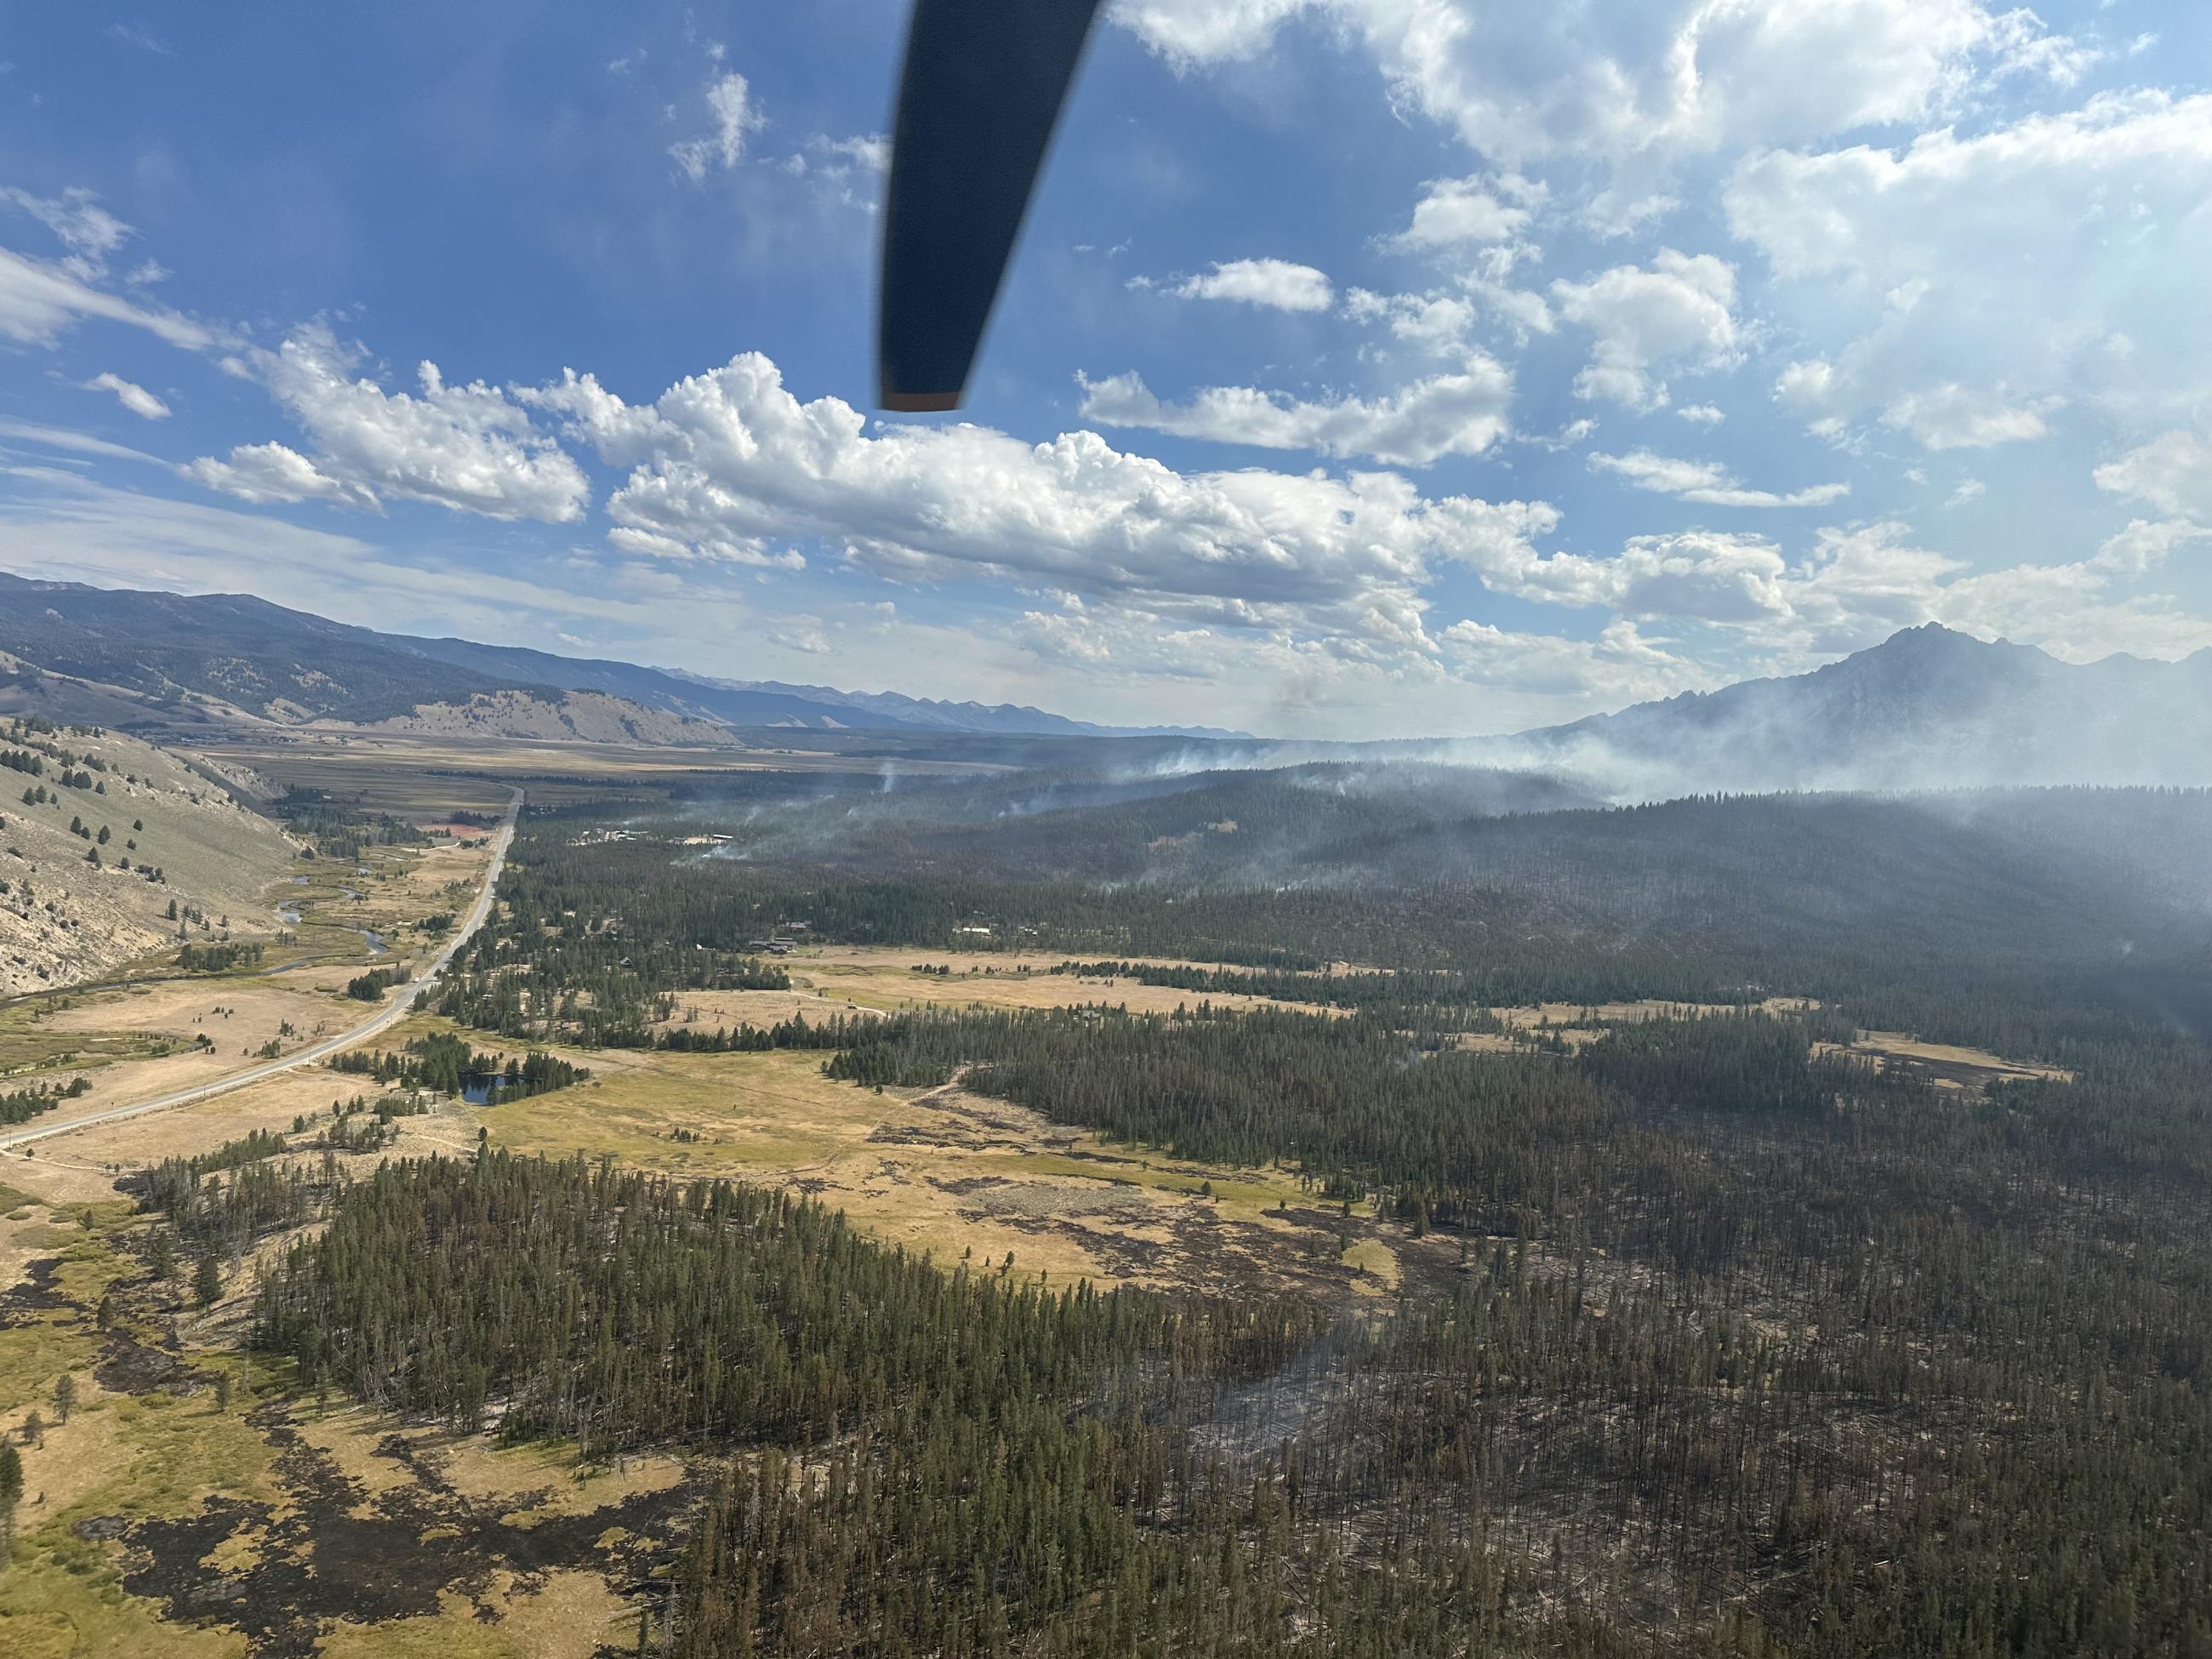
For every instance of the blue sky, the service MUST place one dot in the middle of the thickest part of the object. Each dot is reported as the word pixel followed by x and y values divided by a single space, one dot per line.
pixel 1369 367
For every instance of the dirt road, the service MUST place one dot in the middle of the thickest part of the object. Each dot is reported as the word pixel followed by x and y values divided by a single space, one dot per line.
pixel 395 1009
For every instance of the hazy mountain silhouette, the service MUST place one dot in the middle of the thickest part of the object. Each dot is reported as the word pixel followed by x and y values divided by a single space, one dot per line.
pixel 292 665
pixel 1928 708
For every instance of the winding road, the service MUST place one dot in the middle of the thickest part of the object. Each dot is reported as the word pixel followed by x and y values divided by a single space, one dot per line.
pixel 395 1009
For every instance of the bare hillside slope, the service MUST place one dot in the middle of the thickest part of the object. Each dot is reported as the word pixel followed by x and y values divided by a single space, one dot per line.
pixel 99 834
pixel 573 717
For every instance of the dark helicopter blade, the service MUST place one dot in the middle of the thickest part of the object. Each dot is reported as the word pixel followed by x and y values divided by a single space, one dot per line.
pixel 982 88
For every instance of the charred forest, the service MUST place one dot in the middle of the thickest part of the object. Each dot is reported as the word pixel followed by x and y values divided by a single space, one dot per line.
pixel 1722 1329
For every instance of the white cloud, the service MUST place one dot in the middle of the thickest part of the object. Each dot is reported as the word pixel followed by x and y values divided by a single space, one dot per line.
pixel 1473 676
pixel 2143 546
pixel 2173 472
pixel 1706 481
pixel 127 34
pixel 1457 414
pixel 1522 310
pixel 1619 666
pixel 1439 322
pixel 850 170
pixel 1275 284
pixel 468 447
pixel 1700 575
pixel 1859 585
pixel 1969 490
pixel 729 102
pixel 1436 323
pixel 731 458
pixel 134 397
pixel 88 231
pixel 1679 313
pixel 803 632
pixel 40 302
pixel 81 443
pixel 1979 281
pixel 1463 212
pixel 870 152
pixel 1702 414
pixel 1193 32
pixel 265 473
pixel 1953 416
pixel 2020 46
pixel 1664 77
pixel 1941 416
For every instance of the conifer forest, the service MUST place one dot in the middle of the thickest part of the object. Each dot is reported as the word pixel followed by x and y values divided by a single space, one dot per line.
pixel 1721 1330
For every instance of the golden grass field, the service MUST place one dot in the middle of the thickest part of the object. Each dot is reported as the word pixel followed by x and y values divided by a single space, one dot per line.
pixel 142 1039
pixel 417 775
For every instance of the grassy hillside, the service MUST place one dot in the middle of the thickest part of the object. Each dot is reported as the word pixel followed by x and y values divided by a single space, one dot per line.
pixel 75 907
pixel 281 665
pixel 570 716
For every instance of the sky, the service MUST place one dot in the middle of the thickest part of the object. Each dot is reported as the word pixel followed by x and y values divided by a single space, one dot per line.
pixel 1367 367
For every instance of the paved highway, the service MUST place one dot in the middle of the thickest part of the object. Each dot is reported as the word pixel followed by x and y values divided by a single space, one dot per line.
pixel 396 1010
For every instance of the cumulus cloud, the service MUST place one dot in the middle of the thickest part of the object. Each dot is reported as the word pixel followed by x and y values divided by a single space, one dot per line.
pixel 1678 313
pixel 803 632
pixel 730 459
pixel 134 397
pixel 1953 416
pixel 1463 212
pixel 2173 472
pixel 469 447
pixel 2145 546
pixel 1707 482
pixel 1456 414
pixel 1702 414
pixel 1273 284
pixel 1978 279
pixel 266 473
pixel 1942 415
pixel 1667 76
pixel 1700 575
pixel 849 170
pixel 1436 323
pixel 1857 585
pixel 1851 587
pixel 1619 666
pixel 730 104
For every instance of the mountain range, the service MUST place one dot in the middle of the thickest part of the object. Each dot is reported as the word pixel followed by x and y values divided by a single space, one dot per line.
pixel 292 666
pixel 1929 707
